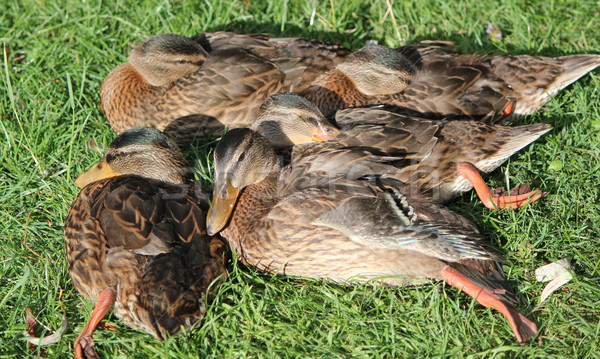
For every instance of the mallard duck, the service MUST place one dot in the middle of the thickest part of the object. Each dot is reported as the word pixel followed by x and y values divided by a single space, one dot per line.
pixel 135 236
pixel 439 158
pixel 431 80
pixel 326 216
pixel 171 76
pixel 286 119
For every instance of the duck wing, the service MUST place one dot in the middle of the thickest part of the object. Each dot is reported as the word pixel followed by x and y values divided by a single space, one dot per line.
pixel 147 241
pixel 310 57
pixel 230 86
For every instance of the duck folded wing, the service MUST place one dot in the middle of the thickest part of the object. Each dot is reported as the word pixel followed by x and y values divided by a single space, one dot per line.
pixel 430 153
pixel 221 40
pixel 155 218
pixel 318 56
pixel 389 222
pixel 370 210
pixel 312 56
pixel 426 51
pixel 458 89
pixel 327 165
pixel 230 81
pixel 387 132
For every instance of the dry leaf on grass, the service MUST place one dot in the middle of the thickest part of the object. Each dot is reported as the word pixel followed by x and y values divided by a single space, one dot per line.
pixel 558 273
pixel 47 340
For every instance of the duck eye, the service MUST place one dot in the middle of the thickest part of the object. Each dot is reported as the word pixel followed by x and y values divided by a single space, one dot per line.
pixel 181 61
pixel 242 156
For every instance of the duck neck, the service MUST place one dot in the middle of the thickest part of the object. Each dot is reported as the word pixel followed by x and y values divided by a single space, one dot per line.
pixel 263 194
pixel 334 91
pixel 120 93
pixel 253 204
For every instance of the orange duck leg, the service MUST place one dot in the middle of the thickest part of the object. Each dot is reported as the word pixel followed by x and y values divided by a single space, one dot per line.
pixel 497 198
pixel 84 344
pixel 523 328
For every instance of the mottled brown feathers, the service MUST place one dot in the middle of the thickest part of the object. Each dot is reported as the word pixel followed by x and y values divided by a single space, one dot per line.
pixel 425 153
pixel 147 241
pixel 239 73
pixel 446 84
pixel 280 224
pixel 327 215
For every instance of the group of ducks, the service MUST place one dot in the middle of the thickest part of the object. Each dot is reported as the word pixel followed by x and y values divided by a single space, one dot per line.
pixel 335 165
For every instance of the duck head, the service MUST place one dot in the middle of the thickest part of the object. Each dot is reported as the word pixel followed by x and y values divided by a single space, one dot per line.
pixel 165 58
pixel 142 151
pixel 378 70
pixel 288 119
pixel 242 158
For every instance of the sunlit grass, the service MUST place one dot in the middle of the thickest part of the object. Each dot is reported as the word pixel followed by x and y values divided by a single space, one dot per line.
pixel 57 54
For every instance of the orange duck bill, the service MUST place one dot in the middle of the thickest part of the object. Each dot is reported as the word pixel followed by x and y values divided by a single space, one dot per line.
pixel 325 133
pixel 98 171
pixel 224 199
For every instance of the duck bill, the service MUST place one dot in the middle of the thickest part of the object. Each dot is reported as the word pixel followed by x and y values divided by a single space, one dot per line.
pixel 324 134
pixel 224 198
pixel 95 173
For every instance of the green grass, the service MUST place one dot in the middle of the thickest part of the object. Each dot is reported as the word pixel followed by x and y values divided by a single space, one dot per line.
pixel 55 55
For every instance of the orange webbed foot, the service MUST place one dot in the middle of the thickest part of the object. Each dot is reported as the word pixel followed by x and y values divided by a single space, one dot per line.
pixel 498 198
pixel 523 328
pixel 84 344
pixel 111 327
pixel 84 347
pixel 517 197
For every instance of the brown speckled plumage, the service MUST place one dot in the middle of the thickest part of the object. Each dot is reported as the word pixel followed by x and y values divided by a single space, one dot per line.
pixel 428 152
pixel 316 57
pixel 272 226
pixel 446 84
pixel 147 241
pixel 135 239
pixel 325 216
pixel 238 74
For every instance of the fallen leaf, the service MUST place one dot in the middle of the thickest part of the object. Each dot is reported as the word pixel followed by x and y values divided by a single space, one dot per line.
pixel 555 165
pixel 31 325
pixel 47 340
pixel 557 273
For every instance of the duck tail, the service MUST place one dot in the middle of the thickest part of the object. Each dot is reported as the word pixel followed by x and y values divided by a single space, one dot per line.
pixel 505 142
pixel 572 67
pixel 173 291
pixel 535 80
